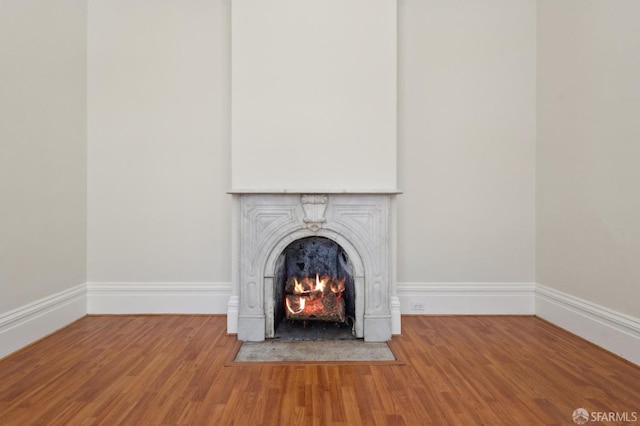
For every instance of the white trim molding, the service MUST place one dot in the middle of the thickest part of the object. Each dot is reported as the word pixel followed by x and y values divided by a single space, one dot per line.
pixel 29 323
pixel 467 298
pixel 158 298
pixel 614 331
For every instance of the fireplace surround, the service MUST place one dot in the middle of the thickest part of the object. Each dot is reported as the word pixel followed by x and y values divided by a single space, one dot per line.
pixel 266 223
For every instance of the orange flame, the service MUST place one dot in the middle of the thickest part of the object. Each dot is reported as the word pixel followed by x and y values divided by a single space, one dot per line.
pixel 298 288
pixel 301 303
pixel 307 294
pixel 308 285
pixel 338 287
pixel 320 284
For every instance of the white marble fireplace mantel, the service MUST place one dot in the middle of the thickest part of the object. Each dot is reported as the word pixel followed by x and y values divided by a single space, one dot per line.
pixel 361 222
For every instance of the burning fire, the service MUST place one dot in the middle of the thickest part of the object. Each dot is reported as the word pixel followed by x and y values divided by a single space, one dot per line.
pixel 308 285
pixel 295 309
pixel 307 297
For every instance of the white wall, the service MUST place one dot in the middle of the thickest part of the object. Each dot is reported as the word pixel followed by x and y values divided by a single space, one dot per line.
pixel 159 141
pixel 158 160
pixel 314 94
pixel 588 208
pixel 42 150
pixel 155 101
pixel 466 144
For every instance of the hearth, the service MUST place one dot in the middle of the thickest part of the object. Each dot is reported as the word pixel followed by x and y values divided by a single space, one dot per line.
pixel 316 261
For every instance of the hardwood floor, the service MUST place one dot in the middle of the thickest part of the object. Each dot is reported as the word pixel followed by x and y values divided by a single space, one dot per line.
pixel 176 370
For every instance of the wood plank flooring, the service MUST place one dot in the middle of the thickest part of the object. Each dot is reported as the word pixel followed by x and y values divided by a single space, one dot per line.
pixel 461 370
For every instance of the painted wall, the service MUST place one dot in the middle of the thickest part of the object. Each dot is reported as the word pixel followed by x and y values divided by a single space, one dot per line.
pixel 588 208
pixel 159 141
pixel 158 151
pixel 314 94
pixel 148 83
pixel 42 149
pixel 466 144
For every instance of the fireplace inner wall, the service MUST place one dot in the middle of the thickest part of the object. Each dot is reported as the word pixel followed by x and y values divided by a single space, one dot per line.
pixel 266 224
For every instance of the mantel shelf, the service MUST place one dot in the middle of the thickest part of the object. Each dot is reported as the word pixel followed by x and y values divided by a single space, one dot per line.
pixel 313 191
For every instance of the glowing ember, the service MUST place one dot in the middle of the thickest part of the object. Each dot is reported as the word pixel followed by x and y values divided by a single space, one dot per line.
pixel 296 306
pixel 337 287
pixel 306 298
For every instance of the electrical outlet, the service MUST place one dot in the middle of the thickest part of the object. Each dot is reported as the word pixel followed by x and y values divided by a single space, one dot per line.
pixel 417 307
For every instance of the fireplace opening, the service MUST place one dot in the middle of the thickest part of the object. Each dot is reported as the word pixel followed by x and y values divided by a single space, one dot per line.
pixel 314 291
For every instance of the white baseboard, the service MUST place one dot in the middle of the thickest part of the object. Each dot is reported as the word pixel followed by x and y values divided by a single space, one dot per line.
pixel 466 298
pixel 396 323
pixel 232 314
pixel 23 326
pixel 158 298
pixel 616 332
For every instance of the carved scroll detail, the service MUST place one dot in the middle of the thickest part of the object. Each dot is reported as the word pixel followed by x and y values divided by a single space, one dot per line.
pixel 314 207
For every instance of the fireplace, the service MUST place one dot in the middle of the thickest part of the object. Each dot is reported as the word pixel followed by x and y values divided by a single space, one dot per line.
pixel 328 256
pixel 315 291
pixel 313 155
